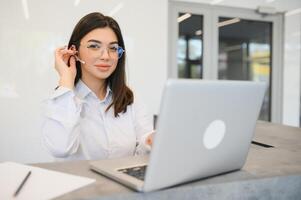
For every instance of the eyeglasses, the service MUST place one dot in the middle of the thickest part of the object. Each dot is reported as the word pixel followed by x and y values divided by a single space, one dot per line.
pixel 97 49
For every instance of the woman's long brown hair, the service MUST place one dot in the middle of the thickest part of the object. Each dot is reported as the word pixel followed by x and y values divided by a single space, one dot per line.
pixel 122 95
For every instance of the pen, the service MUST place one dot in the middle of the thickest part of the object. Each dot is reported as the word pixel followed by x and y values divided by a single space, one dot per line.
pixel 21 185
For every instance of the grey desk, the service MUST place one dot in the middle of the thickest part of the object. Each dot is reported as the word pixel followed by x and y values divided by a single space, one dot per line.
pixel 269 173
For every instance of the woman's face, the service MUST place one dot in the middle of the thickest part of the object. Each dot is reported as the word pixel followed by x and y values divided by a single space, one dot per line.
pixel 97 49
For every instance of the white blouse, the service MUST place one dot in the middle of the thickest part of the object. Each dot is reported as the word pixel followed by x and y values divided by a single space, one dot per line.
pixel 76 126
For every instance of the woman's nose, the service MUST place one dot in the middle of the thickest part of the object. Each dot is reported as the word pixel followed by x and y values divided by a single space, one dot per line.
pixel 105 53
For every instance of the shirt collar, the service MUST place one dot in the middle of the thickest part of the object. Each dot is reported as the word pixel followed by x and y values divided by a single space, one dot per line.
pixel 83 91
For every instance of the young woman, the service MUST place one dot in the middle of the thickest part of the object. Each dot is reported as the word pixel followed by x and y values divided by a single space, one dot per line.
pixel 92 114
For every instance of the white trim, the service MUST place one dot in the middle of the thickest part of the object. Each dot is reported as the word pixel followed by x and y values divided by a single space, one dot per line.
pixel 277 70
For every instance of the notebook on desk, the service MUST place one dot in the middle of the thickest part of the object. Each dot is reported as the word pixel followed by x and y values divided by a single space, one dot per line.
pixel 204 128
pixel 42 183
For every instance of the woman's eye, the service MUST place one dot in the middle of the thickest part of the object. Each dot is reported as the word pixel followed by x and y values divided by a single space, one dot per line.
pixel 113 48
pixel 93 46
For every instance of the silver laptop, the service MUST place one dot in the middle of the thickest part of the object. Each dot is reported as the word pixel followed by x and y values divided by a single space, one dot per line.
pixel 204 128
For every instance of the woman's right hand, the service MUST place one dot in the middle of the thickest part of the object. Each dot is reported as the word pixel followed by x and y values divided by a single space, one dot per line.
pixel 150 138
pixel 67 73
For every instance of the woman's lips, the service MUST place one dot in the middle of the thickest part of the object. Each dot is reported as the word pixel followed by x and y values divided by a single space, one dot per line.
pixel 102 67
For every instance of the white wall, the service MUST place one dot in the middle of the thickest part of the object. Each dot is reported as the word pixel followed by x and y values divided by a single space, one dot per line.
pixel 292 63
pixel 26 54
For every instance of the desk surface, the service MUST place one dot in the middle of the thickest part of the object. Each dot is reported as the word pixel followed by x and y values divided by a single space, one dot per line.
pixel 269 173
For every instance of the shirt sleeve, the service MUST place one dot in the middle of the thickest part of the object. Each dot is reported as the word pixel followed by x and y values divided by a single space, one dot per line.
pixel 60 128
pixel 143 123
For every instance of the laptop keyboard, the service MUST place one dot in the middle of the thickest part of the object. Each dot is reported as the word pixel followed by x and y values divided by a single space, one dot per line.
pixel 137 172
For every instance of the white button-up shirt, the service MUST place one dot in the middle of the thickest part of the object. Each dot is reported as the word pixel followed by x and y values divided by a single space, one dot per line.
pixel 76 126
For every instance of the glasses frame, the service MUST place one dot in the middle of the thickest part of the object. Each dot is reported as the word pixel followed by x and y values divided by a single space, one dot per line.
pixel 120 50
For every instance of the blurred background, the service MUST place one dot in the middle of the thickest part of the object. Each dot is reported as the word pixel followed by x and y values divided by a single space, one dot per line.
pixel 255 40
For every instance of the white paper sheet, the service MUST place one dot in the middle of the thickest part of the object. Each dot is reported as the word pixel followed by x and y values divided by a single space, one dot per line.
pixel 42 183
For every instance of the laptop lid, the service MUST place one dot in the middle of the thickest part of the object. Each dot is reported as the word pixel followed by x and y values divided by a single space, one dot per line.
pixel 204 128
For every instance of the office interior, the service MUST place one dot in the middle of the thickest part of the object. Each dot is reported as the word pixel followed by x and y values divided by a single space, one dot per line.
pixel 200 39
